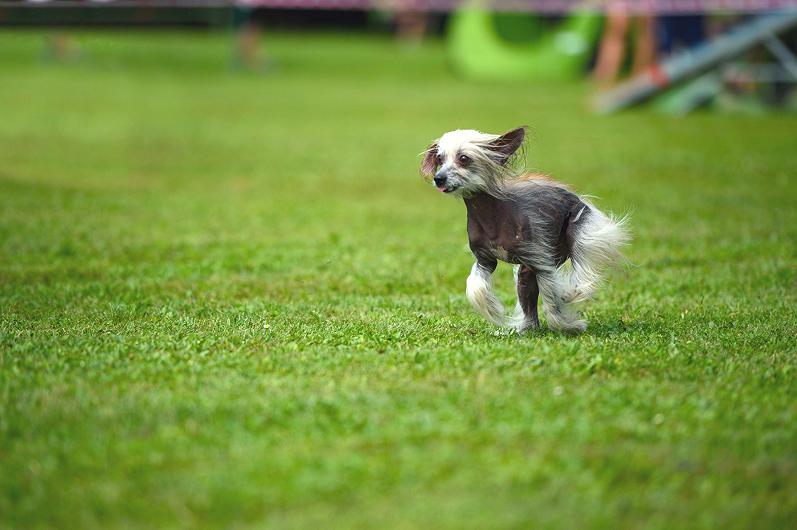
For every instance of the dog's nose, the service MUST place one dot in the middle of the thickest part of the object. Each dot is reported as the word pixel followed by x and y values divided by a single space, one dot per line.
pixel 440 179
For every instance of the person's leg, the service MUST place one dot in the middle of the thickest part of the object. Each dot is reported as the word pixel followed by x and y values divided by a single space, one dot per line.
pixel 411 25
pixel 612 47
pixel 249 39
pixel 645 43
pixel 665 26
pixel 694 30
pixel 249 45
pixel 60 47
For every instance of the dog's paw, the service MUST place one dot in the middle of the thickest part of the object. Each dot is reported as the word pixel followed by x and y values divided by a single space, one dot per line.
pixel 527 326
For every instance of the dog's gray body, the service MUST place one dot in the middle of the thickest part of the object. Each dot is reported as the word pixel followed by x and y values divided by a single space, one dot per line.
pixel 526 220
pixel 510 229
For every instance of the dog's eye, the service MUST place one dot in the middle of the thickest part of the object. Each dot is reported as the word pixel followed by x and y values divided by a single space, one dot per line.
pixel 439 160
pixel 464 159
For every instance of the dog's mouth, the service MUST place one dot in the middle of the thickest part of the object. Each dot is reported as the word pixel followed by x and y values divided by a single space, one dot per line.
pixel 447 189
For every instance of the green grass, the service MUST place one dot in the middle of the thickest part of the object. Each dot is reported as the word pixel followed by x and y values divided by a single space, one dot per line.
pixel 228 300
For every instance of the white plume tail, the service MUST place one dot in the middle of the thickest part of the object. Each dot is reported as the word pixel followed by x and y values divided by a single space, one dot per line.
pixel 597 245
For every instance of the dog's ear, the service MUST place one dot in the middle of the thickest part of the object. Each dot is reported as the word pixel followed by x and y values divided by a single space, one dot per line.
pixel 429 160
pixel 506 144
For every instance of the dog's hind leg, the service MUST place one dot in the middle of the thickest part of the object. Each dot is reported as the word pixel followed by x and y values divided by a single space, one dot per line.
pixel 526 316
pixel 559 313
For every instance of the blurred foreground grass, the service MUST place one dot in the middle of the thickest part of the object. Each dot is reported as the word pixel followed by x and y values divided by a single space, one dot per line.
pixel 227 300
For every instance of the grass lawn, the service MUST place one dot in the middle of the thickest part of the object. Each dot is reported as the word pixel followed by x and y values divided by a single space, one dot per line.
pixel 228 301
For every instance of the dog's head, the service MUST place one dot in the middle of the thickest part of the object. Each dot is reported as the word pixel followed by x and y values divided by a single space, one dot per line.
pixel 465 161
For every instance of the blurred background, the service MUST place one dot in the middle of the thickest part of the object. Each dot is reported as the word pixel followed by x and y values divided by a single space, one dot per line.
pixel 680 54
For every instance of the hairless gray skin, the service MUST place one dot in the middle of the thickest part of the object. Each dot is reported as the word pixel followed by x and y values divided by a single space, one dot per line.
pixel 504 224
pixel 527 220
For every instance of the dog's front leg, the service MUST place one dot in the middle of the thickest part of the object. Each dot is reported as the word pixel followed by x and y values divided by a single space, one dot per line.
pixel 480 290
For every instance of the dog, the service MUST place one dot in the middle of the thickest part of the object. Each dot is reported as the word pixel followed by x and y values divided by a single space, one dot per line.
pixel 528 220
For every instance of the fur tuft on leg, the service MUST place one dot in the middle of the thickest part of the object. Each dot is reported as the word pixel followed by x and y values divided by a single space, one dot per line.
pixel 481 296
pixel 559 313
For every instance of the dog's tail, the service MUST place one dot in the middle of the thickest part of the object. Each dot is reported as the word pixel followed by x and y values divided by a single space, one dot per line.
pixel 598 241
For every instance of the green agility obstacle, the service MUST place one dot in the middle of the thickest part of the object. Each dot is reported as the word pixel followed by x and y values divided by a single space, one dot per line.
pixel 477 51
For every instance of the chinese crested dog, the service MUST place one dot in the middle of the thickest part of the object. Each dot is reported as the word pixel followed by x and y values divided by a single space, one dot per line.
pixel 527 220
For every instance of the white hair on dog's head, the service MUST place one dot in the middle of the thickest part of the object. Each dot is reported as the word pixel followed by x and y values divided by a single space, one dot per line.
pixel 465 161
